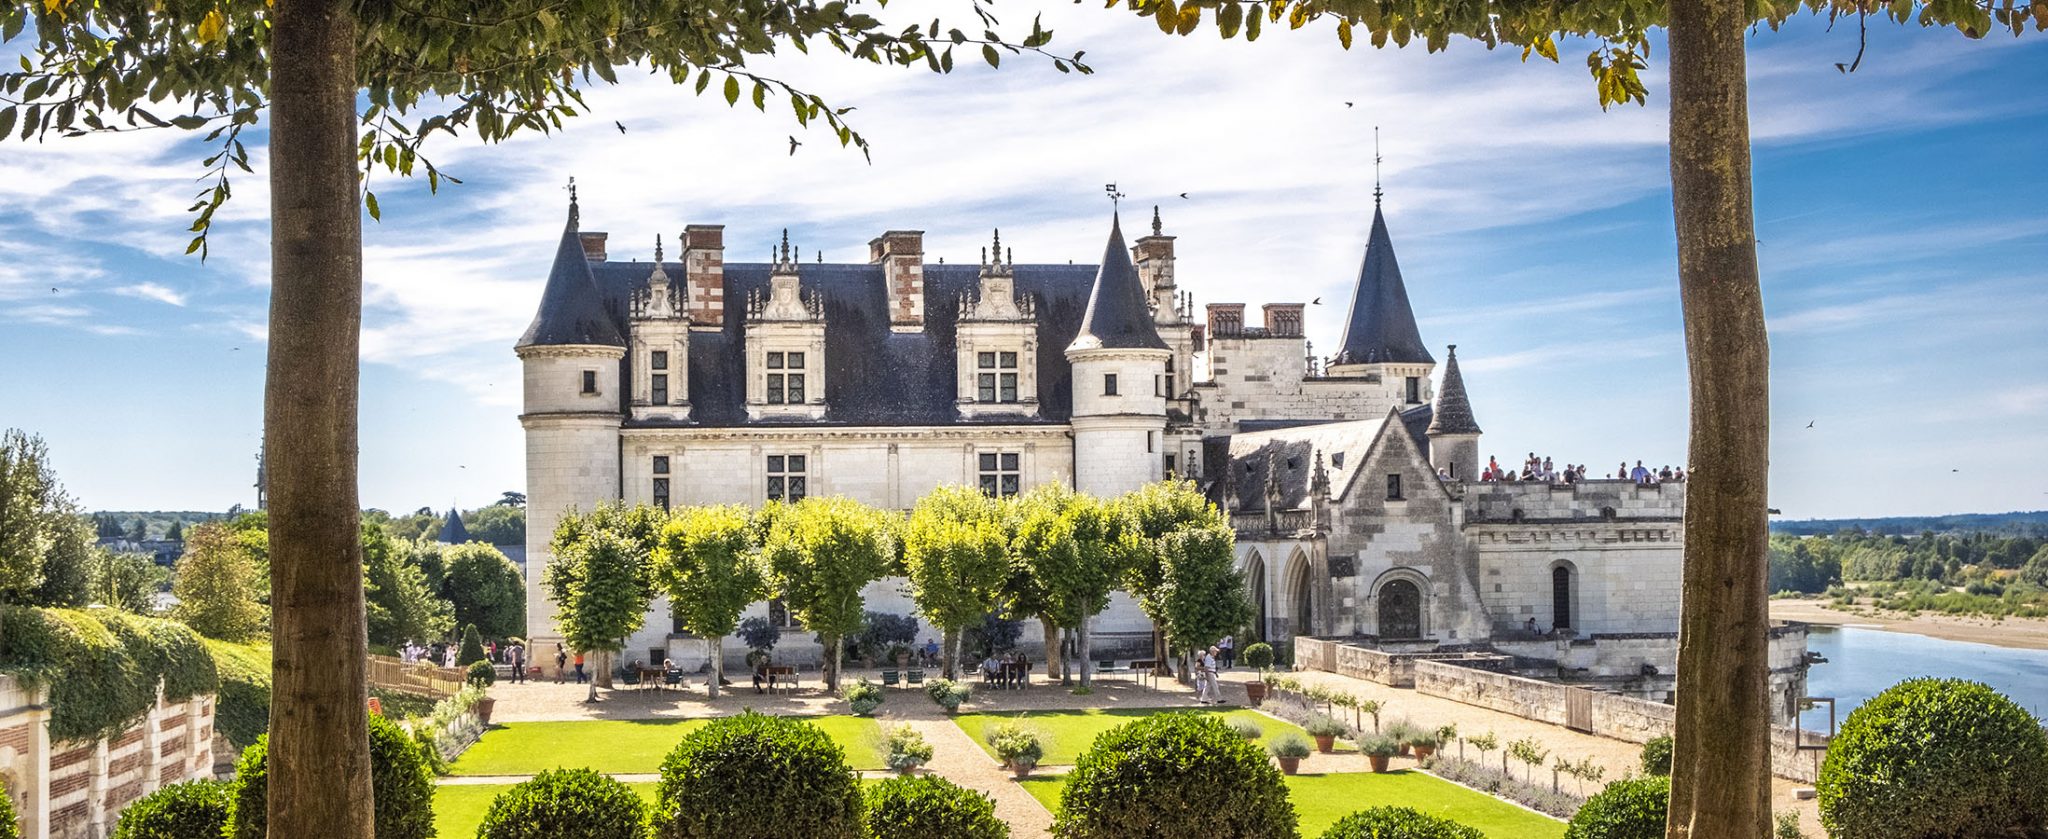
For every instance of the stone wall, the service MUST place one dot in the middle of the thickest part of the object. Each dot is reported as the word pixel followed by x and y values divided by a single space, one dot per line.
pixel 77 790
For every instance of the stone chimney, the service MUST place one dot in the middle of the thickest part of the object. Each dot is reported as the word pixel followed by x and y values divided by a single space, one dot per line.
pixel 704 274
pixel 1284 319
pixel 901 255
pixel 593 245
pixel 1154 257
pixel 1226 320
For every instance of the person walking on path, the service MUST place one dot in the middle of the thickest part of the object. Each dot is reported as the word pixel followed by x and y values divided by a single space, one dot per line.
pixel 581 677
pixel 1227 650
pixel 517 654
pixel 561 662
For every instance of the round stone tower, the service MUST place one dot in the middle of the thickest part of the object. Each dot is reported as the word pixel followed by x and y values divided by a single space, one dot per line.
pixel 1119 380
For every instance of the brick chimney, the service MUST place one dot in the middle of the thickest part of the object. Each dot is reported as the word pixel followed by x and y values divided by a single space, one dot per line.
pixel 901 255
pixel 704 274
pixel 1226 320
pixel 1284 319
pixel 593 245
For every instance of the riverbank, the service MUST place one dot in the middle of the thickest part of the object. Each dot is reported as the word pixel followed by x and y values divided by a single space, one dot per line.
pixel 2013 633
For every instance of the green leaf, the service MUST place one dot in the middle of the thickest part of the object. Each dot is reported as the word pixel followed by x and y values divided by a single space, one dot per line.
pixel 989 54
pixel 732 90
pixel 703 81
pixel 370 201
pixel 760 97
pixel 6 121
pixel 1344 33
pixel 1229 19
pixel 1251 25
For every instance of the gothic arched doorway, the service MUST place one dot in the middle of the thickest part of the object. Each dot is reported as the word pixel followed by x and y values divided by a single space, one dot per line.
pixel 1400 610
pixel 1300 582
pixel 1561 616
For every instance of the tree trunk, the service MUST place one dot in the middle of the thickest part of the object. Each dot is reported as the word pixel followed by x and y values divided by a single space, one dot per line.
pixel 1054 648
pixel 1081 646
pixel 1162 658
pixel 714 643
pixel 319 728
pixel 603 677
pixel 831 669
pixel 951 654
pixel 1721 781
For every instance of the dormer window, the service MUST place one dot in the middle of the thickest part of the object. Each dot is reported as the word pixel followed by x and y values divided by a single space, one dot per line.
pixel 1394 487
pixel 996 377
pixel 658 384
pixel 658 359
pixel 785 378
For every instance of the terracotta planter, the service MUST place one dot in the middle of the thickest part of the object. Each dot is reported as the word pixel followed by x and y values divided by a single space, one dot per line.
pixel 1379 762
pixel 1422 752
pixel 484 707
pixel 1289 765
pixel 1021 771
pixel 1326 743
pixel 1404 750
pixel 1255 693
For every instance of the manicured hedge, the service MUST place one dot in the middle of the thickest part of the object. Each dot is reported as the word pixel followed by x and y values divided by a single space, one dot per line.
pixel 191 810
pixel 1935 758
pixel 754 775
pixel 242 713
pixel 566 804
pixel 102 670
pixel 1631 809
pixel 1398 823
pixel 399 780
pixel 931 807
pixel 1657 756
pixel 1175 774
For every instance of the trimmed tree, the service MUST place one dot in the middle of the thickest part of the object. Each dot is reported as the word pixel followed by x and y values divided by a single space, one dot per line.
pixel 1202 595
pixel 757 775
pixel 1633 809
pixel 400 780
pixel 188 810
pixel 1721 762
pixel 1066 543
pixel 1174 774
pixel 931 806
pixel 1398 823
pixel 484 588
pixel 1931 758
pixel 1152 512
pixel 822 552
pixel 597 581
pixel 956 554
pixel 472 650
pixel 705 561
pixel 566 804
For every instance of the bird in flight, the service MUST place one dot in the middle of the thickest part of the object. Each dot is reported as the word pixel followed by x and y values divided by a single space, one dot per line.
pixel 621 125
pixel 793 143
pixel 1316 302
pixel 1809 423
pixel 1347 104
pixel 53 289
pixel 1183 195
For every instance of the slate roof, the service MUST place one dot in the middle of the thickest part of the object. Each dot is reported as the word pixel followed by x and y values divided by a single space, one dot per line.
pixel 452 531
pixel 873 376
pixel 1118 316
pixel 1380 327
pixel 1247 457
pixel 1453 410
pixel 571 311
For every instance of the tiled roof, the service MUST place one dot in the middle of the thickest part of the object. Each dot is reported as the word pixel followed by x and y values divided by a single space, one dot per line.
pixel 1118 316
pixel 1380 327
pixel 1453 410
pixel 570 309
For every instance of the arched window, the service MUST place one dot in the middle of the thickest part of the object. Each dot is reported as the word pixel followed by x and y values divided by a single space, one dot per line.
pixel 1561 597
pixel 1255 576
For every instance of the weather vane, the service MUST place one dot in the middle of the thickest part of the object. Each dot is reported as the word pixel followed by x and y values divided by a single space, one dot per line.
pixel 1375 164
pixel 1114 196
pixel 571 187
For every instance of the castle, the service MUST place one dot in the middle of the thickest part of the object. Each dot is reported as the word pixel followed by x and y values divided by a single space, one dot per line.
pixel 1353 482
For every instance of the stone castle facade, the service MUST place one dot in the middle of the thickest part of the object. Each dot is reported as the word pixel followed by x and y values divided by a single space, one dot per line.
pixel 705 381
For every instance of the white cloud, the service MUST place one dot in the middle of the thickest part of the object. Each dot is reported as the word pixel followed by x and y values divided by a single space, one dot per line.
pixel 153 291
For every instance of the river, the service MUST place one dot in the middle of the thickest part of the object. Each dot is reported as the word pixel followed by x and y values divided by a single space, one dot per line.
pixel 1863 662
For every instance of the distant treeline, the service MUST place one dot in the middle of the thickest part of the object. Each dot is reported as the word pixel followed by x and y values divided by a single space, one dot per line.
pixel 2033 524
pixel 503 523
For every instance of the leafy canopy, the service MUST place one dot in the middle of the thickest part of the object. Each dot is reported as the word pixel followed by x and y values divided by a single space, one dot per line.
pixel 438 66
pixel 598 584
pixel 823 551
pixel 956 555
pixel 1067 545
pixel 706 563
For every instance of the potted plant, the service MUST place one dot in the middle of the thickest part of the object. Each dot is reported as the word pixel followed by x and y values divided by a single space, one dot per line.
pixel 907 749
pixel 864 696
pixel 947 693
pixel 1424 743
pixel 1325 729
pixel 1403 733
pixel 1246 728
pixel 1260 657
pixel 1378 748
pixel 1017 747
pixel 1289 749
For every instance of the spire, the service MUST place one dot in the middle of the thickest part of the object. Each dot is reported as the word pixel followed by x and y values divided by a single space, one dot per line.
pixel 657 276
pixel 452 531
pixel 1155 219
pixel 1380 327
pixel 1453 412
pixel 1118 316
pixel 571 309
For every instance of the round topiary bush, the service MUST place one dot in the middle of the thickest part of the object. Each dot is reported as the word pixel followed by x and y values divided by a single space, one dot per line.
pixel 399 778
pixel 481 674
pixel 566 804
pixel 190 810
pixel 1935 758
pixel 1631 809
pixel 1259 655
pixel 1398 823
pixel 1657 756
pixel 755 775
pixel 931 806
pixel 1175 774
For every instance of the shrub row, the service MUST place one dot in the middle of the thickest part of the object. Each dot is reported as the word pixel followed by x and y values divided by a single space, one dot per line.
pixel 1492 781
pixel 102 669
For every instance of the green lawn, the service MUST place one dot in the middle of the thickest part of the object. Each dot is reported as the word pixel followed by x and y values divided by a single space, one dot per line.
pixel 1320 800
pixel 624 747
pixel 459 808
pixel 1066 734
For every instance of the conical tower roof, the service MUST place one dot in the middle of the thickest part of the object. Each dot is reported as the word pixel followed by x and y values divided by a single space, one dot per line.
pixel 1381 327
pixel 1453 412
pixel 452 531
pixel 571 311
pixel 1118 316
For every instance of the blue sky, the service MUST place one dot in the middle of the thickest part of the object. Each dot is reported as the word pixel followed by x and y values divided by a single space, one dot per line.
pixel 1902 213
